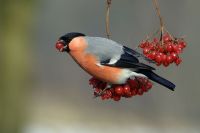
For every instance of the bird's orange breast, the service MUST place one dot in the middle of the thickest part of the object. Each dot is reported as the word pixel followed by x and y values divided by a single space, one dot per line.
pixel 90 63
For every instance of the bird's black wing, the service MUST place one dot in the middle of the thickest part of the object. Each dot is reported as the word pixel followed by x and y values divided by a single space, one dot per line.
pixel 113 54
pixel 136 54
pixel 127 61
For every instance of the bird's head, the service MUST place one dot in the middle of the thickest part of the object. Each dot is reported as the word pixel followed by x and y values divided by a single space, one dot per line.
pixel 63 42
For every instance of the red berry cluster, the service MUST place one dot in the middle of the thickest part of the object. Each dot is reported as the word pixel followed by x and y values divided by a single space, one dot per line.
pixel 165 51
pixel 132 88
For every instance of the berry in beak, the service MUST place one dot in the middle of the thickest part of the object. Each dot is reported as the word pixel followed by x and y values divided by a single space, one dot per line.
pixel 60 46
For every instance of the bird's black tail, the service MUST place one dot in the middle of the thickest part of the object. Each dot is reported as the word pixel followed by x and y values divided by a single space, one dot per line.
pixel 151 75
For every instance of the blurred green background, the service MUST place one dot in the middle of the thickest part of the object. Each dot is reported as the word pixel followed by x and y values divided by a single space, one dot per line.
pixel 44 91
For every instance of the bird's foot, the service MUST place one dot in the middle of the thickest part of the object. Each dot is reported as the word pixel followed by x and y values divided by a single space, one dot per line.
pixel 100 93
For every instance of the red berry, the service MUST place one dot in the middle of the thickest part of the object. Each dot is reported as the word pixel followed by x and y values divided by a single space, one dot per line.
pixel 160 53
pixel 140 92
pixel 178 61
pixel 166 64
pixel 160 49
pixel 155 40
pixel 134 92
pixel 145 80
pixel 146 50
pixel 163 58
pixel 127 89
pixel 177 49
pixel 143 88
pixel 103 97
pixel 140 80
pixel 59 46
pixel 119 90
pixel 182 44
pixel 144 44
pixel 116 97
pixel 149 85
pixel 148 55
pixel 169 48
pixel 166 38
pixel 133 83
pixel 169 59
pixel 152 55
pixel 174 56
pixel 128 95
pixel 151 46
pixel 158 58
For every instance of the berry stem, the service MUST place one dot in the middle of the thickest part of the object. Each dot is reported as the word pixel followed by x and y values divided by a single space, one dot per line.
pixel 108 18
pixel 102 91
pixel 156 5
pixel 157 8
pixel 169 34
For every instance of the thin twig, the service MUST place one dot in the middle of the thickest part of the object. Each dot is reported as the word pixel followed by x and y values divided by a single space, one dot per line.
pixel 108 18
pixel 156 5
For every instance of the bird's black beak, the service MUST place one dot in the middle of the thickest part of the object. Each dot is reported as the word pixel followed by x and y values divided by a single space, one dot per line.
pixel 66 48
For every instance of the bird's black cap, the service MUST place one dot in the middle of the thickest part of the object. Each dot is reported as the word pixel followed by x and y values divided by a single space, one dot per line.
pixel 69 36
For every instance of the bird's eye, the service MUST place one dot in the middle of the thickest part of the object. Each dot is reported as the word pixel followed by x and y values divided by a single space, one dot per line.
pixel 60 46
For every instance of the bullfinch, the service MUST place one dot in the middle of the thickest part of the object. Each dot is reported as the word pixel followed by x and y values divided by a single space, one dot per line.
pixel 108 60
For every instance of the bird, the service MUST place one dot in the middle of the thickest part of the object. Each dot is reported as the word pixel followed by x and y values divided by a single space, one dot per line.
pixel 108 60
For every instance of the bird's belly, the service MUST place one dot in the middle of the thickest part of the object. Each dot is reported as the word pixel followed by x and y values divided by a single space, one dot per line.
pixel 105 73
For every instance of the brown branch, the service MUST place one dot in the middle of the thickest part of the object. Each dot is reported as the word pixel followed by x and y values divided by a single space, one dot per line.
pixel 156 5
pixel 157 8
pixel 108 18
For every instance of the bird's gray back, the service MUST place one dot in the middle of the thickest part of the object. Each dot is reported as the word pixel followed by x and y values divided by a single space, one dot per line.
pixel 103 48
